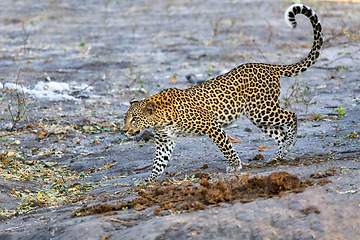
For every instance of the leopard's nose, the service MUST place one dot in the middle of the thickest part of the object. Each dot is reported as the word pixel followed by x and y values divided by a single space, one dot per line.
pixel 128 131
pixel 124 130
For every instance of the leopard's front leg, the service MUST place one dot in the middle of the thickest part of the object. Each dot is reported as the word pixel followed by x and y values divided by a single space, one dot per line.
pixel 164 146
pixel 220 138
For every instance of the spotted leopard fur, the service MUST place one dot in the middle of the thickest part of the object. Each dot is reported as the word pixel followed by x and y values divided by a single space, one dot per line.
pixel 250 89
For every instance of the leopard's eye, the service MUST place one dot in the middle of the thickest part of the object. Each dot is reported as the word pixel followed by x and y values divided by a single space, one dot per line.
pixel 132 120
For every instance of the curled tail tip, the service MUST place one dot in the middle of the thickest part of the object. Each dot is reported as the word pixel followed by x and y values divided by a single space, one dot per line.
pixel 294 10
pixel 290 15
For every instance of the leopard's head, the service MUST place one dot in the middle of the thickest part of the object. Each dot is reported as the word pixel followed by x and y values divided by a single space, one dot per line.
pixel 140 116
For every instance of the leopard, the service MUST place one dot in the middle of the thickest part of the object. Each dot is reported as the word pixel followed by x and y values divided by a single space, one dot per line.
pixel 251 90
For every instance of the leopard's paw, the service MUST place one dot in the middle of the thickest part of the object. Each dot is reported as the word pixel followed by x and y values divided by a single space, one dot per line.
pixel 233 168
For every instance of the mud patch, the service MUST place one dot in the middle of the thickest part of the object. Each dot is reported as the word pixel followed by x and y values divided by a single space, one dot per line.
pixel 328 173
pixel 277 161
pixel 282 181
pixel 257 157
pixel 186 196
pixel 310 209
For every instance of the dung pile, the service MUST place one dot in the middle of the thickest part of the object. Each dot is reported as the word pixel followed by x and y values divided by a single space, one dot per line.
pixel 187 196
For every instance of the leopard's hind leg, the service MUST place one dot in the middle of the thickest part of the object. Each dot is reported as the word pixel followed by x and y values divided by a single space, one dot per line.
pixel 274 125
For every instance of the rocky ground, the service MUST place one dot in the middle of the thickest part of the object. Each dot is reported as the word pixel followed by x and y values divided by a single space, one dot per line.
pixel 68 70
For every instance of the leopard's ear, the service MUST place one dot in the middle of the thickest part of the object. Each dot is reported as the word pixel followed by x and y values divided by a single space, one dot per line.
pixel 149 108
pixel 134 100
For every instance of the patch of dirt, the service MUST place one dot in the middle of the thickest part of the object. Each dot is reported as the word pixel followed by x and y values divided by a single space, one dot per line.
pixel 257 157
pixel 205 166
pixel 277 161
pixel 328 173
pixel 311 209
pixel 187 196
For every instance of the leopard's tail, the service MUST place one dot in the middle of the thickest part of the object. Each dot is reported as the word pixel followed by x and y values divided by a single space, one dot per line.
pixel 310 59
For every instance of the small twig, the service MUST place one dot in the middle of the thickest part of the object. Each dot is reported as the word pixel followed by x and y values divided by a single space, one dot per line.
pixel 26 33
pixel 257 47
pixel 132 82
pixel 17 79
pixel 215 25
pixel 142 168
pixel 120 221
pixel 12 117
pixel 344 56
pixel 92 83
pixel 20 113
pixel 271 32
pixel 107 237
pixel 325 68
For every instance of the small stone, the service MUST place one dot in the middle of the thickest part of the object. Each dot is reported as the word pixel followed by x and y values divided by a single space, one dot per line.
pixel 247 129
